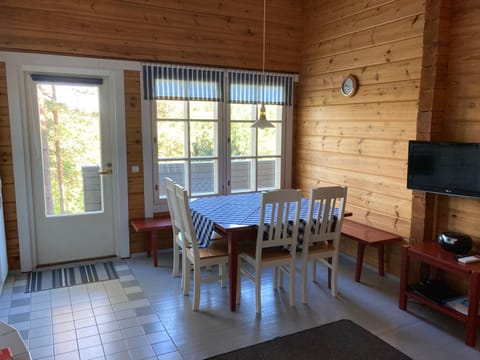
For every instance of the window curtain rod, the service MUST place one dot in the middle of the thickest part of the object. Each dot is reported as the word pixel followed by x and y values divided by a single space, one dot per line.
pixel 179 82
pixel 77 80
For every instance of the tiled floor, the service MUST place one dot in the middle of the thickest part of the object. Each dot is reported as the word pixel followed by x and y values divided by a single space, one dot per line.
pixel 143 315
pixel 104 320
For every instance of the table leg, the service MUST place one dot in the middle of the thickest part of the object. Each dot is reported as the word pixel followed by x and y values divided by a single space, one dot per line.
pixel 471 329
pixel 154 247
pixel 381 269
pixel 402 303
pixel 358 267
pixel 233 259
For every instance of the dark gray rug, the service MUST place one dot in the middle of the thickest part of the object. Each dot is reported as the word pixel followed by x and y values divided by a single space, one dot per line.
pixel 342 339
pixel 69 276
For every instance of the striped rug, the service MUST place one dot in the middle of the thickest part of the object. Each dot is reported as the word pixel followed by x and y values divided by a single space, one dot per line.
pixel 69 276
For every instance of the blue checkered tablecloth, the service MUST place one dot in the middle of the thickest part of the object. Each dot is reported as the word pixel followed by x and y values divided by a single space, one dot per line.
pixel 240 209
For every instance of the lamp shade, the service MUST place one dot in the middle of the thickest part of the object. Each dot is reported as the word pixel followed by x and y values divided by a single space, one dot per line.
pixel 262 121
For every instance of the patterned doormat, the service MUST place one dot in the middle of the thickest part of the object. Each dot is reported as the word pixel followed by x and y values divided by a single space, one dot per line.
pixel 69 276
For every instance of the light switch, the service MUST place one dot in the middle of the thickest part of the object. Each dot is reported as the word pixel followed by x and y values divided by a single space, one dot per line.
pixel 135 169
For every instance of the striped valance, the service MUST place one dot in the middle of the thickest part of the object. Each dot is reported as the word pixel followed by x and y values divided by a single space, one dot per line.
pixel 247 88
pixel 172 82
pixel 178 82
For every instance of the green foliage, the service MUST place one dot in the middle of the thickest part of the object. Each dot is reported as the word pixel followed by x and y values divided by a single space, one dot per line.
pixel 70 132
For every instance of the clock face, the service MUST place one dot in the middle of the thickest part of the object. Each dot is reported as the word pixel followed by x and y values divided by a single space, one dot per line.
pixel 349 86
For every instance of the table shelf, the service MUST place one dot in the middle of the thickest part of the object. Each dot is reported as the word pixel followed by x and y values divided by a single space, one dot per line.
pixel 432 254
pixel 439 307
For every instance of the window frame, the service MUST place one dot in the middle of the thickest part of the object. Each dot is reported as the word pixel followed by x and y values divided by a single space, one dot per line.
pixel 224 145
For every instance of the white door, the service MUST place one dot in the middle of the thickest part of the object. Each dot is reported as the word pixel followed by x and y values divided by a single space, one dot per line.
pixel 71 168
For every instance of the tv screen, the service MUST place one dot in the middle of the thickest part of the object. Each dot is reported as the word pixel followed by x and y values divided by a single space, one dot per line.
pixel 450 168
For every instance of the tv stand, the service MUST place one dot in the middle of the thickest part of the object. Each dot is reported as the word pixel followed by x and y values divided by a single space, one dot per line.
pixel 432 254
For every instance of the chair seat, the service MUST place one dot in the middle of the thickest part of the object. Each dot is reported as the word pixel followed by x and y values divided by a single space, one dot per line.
pixel 273 253
pixel 320 248
pixel 217 248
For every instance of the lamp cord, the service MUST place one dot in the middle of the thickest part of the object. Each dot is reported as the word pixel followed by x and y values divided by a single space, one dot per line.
pixel 263 54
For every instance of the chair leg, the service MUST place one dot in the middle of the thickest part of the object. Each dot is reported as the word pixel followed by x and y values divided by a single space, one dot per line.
pixel 239 283
pixel 186 276
pixel 329 273
pixel 304 275
pixel 175 259
pixel 292 284
pixel 258 287
pixel 275 277
pixel 222 272
pixel 196 288
pixel 334 276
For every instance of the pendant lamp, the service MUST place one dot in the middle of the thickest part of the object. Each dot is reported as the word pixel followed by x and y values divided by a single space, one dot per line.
pixel 262 121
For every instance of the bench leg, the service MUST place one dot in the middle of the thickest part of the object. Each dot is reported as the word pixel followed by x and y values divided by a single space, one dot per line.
pixel 381 269
pixel 358 267
pixel 154 247
pixel 146 244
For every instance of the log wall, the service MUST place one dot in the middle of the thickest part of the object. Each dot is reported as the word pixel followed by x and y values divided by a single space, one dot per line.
pixel 6 173
pixel 361 141
pixel 461 116
pixel 224 33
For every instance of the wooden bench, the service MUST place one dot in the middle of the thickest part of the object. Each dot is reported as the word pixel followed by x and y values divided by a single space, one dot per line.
pixel 150 226
pixel 367 235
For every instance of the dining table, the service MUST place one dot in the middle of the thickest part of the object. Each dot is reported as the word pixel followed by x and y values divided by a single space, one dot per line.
pixel 236 218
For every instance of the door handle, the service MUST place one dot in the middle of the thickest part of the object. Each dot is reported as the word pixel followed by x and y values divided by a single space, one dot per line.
pixel 105 172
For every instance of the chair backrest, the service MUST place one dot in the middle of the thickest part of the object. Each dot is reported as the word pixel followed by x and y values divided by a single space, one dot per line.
pixel 173 207
pixel 188 231
pixel 325 215
pixel 279 216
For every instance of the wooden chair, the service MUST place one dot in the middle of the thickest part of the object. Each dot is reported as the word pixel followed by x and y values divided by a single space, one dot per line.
pixel 276 242
pixel 194 257
pixel 323 228
pixel 176 227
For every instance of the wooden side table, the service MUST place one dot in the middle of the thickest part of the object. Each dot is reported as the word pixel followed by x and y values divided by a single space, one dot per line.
pixel 432 254
pixel 150 226
pixel 367 235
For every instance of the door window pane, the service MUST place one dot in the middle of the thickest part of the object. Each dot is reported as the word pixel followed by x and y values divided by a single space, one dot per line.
pixel 69 121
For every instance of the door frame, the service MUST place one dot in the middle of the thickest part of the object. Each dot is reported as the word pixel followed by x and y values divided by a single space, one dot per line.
pixel 18 65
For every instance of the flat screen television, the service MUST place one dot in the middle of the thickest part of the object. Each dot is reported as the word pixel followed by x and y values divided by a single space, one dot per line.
pixel 450 168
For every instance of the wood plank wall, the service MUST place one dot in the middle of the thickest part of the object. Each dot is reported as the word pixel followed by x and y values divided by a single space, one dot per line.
pixel 361 141
pixel 224 33
pixel 6 173
pixel 462 116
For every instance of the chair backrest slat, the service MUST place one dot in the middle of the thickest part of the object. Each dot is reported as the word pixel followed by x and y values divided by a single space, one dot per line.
pixel 279 215
pixel 325 214
pixel 188 231
pixel 172 206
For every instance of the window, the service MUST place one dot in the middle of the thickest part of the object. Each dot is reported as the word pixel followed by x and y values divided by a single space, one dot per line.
pixel 255 155
pixel 202 135
pixel 186 145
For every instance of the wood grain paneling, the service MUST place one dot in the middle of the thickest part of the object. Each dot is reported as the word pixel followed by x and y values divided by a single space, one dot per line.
pixel 6 174
pixel 461 121
pixel 209 32
pixel 361 141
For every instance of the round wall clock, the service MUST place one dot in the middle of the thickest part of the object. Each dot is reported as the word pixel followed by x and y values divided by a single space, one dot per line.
pixel 349 86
